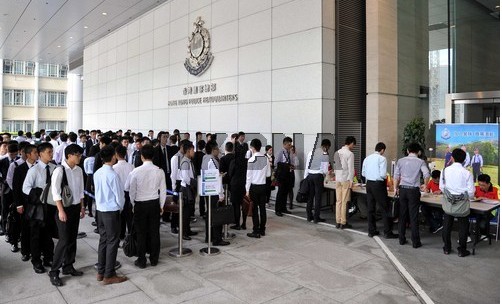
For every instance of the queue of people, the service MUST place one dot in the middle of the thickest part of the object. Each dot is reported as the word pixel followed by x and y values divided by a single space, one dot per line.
pixel 122 179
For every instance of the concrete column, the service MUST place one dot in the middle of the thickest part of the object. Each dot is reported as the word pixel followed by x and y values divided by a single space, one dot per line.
pixel 382 76
pixel 74 102
pixel 1 94
pixel 36 98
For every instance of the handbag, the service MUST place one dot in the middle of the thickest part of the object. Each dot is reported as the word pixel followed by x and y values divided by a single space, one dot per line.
pixel 222 216
pixel 394 212
pixel 66 195
pixel 303 192
pixel 456 205
pixel 170 205
pixel 247 204
pixel 130 246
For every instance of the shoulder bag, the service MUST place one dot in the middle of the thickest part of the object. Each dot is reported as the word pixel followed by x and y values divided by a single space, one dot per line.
pixel 457 205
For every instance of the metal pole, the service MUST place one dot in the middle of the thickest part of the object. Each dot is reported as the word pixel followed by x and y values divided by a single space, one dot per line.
pixel 180 251
pixel 208 250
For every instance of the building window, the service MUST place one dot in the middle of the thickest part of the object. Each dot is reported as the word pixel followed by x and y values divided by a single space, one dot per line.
pixel 53 70
pixel 18 97
pixel 18 67
pixel 12 126
pixel 52 99
pixel 52 125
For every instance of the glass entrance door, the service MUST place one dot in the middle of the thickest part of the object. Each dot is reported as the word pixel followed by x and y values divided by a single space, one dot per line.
pixel 476 111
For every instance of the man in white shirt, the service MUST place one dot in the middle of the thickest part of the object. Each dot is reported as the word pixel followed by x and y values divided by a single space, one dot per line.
pixel 457 180
pixel 36 179
pixel 344 174
pixel 68 218
pixel 256 187
pixel 123 169
pixel 147 190
pixel 59 150
pixel 317 168
pixel 109 192
pixel 54 139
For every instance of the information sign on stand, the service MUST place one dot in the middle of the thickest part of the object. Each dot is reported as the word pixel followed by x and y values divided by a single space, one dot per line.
pixel 209 184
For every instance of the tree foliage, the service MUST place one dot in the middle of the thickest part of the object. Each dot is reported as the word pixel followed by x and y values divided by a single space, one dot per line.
pixel 414 132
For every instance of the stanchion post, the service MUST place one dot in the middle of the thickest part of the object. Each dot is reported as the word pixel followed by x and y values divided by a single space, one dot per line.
pixel 226 234
pixel 180 251
pixel 208 250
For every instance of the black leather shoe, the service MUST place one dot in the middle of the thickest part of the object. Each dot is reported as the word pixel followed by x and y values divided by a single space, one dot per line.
pixel 221 243
pixel 338 226
pixel 279 214
pixel 446 251
pixel 346 226
pixel 372 234
pixel 403 242
pixel 25 257
pixel 90 214
pixel 192 233
pixel 140 264
pixel 73 272
pixel 56 280
pixel 286 212
pixel 174 230
pixel 391 236
pixel 235 227
pixel 81 235
pixel 48 263
pixel 319 220
pixel 94 224
pixel 243 227
pixel 262 233
pixel 39 268
pixel 463 253
pixel 96 231
pixel 14 248
pixel 2 233
pixel 254 235
pixel 417 245
pixel 154 263
pixel 187 238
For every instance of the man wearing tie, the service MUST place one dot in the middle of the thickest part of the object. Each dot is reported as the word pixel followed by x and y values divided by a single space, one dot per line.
pixel 283 175
pixel 91 141
pixel 136 155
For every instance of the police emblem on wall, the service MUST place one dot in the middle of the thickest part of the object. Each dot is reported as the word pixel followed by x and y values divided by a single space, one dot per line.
pixel 199 55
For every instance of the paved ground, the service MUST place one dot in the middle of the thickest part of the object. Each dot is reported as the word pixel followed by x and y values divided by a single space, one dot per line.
pixel 296 262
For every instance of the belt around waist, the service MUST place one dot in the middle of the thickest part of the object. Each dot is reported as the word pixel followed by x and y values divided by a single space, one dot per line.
pixel 408 187
pixel 258 185
pixel 377 181
pixel 155 200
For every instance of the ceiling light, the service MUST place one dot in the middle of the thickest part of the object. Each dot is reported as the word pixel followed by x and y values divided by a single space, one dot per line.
pixel 85 26
pixel 59 46
pixel 104 14
pixel 71 37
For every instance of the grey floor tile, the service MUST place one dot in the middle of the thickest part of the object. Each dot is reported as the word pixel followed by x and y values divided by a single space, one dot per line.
pixel 302 296
pixel 53 297
pixel 135 297
pixel 250 283
pixel 21 282
pixel 380 271
pixel 172 283
pixel 219 297
pixel 383 294
pixel 327 280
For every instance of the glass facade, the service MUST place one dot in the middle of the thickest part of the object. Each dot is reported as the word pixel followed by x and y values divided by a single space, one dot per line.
pixel 12 126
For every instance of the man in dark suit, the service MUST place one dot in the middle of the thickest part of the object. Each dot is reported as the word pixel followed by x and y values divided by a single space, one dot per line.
pixel 136 155
pixel 91 142
pixel 161 157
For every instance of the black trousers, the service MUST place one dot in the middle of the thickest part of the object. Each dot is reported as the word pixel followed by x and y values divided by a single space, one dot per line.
pixel 316 185
pixel 109 231
pixel 66 248
pixel 88 187
pixel 25 234
pixel 6 202
pixel 377 194
pixel 463 230
pixel 217 231
pixel 236 197
pixel 126 216
pixel 409 202
pixel 15 229
pixel 268 182
pixel 282 196
pixel 147 225
pixel 258 194
pixel 175 218
pixel 40 242
pixel 188 199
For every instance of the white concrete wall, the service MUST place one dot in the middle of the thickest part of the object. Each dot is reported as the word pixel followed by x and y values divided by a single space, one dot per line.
pixel 269 52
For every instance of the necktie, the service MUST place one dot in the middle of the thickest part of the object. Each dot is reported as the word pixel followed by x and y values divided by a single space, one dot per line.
pixel 47 174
